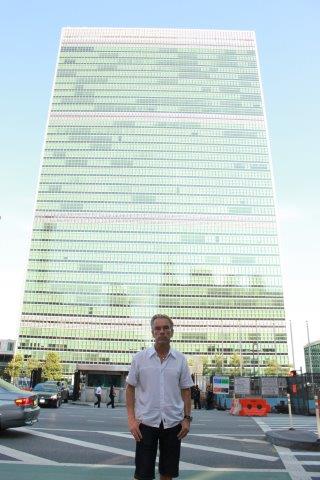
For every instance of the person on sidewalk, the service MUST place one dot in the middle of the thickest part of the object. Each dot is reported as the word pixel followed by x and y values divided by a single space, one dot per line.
pixel 158 403
pixel 98 393
pixel 196 397
pixel 112 394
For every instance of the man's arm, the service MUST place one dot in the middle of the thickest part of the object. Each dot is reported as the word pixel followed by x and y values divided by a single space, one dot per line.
pixel 186 397
pixel 133 423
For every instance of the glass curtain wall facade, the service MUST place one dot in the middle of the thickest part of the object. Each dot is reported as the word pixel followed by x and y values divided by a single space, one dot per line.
pixel 155 195
pixel 312 357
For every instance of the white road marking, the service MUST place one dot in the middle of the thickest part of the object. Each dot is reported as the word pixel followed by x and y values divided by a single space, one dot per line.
pixel 312 454
pixel 309 462
pixel 25 457
pixel 226 437
pixel 183 466
pixel 236 453
pixel 80 443
pixel 103 448
pixel 292 465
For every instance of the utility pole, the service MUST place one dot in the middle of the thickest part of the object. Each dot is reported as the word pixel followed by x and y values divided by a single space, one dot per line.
pixel 310 359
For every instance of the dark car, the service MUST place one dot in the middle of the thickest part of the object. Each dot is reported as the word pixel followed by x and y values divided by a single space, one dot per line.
pixel 63 387
pixel 49 395
pixel 17 407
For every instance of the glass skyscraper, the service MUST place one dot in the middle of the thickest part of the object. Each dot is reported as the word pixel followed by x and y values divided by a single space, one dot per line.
pixel 155 195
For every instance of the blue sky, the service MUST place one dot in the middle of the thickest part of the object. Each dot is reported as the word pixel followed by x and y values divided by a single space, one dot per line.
pixel 288 41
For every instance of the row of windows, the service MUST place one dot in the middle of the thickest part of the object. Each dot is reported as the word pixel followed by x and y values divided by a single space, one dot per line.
pixel 60 250
pixel 151 50
pixel 153 87
pixel 184 140
pixel 167 291
pixel 218 194
pixel 63 309
pixel 174 200
pixel 134 126
pixel 232 186
pixel 140 207
pixel 269 280
pixel 131 338
pixel 143 232
pixel 151 173
pixel 167 97
pixel 125 259
pixel 145 108
pixel 204 81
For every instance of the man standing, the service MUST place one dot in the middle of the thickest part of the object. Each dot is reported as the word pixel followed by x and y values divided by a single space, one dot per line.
pixel 159 403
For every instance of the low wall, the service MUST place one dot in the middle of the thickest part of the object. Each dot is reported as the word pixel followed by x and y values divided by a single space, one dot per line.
pixel 87 395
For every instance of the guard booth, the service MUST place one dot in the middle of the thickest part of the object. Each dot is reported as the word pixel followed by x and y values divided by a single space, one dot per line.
pixel 302 389
pixel 87 377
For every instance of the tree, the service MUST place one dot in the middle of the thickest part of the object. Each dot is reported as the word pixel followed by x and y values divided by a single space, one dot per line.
pixel 15 366
pixel 218 363
pixel 206 368
pixel 32 364
pixel 235 363
pixel 52 369
pixel 272 368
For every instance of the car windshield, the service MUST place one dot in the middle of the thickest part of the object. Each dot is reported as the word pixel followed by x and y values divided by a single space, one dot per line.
pixel 44 387
pixel 8 387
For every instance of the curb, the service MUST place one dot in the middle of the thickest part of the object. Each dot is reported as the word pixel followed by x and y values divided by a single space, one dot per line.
pixel 300 439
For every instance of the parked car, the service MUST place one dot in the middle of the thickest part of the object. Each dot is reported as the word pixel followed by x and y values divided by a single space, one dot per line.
pixel 49 395
pixel 17 407
pixel 63 386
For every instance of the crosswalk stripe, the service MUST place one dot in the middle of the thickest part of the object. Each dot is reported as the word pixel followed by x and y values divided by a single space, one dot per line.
pixel 25 457
pixel 194 446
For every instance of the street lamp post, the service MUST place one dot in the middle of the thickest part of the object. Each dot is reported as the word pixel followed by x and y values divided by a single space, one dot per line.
pixel 254 360
pixel 292 349
pixel 310 359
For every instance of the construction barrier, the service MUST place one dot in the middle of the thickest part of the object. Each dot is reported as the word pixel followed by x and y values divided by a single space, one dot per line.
pixel 250 407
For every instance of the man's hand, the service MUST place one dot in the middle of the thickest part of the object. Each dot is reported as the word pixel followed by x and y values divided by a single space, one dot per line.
pixel 134 429
pixel 185 424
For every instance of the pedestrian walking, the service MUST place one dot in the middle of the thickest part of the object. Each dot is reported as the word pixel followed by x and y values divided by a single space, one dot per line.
pixel 209 397
pixel 158 403
pixel 98 393
pixel 112 394
pixel 196 397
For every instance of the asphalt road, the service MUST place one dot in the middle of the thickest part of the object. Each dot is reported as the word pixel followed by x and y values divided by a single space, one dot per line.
pixel 81 442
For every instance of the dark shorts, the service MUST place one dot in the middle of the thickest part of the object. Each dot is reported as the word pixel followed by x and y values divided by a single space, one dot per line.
pixel 146 452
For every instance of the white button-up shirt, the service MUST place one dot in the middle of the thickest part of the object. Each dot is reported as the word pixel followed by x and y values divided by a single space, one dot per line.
pixel 158 387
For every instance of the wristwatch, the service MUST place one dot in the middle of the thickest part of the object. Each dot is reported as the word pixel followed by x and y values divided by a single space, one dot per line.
pixel 187 417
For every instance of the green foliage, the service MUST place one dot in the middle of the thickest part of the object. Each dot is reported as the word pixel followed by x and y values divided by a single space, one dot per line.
pixel 273 368
pixel 206 369
pixel 52 369
pixel 15 367
pixel 31 364
pixel 235 363
pixel 218 363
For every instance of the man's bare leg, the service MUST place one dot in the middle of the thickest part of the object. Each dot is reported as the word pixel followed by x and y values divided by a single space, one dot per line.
pixel 165 477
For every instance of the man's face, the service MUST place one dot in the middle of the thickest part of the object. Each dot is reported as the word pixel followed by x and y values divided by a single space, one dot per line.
pixel 162 331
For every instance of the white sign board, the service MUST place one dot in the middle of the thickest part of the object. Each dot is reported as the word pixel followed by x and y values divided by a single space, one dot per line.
pixel 242 385
pixel 269 386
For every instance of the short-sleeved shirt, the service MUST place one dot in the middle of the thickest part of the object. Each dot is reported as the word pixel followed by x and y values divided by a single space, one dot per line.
pixel 158 387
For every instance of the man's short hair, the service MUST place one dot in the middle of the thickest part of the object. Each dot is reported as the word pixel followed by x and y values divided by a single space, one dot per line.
pixel 161 315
